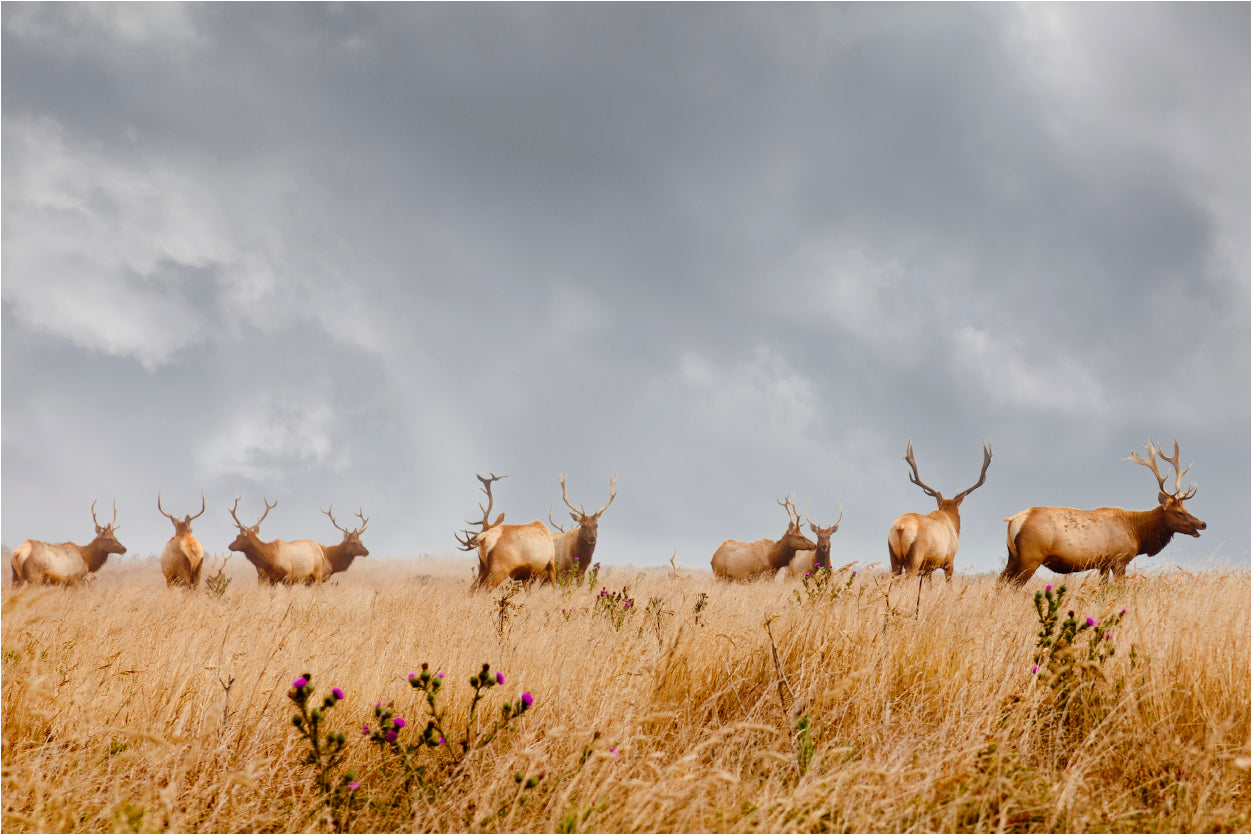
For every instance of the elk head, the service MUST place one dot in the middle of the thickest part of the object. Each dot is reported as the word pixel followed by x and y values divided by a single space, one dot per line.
pixel 794 538
pixel 953 504
pixel 249 536
pixel 106 540
pixel 588 523
pixel 470 539
pixel 182 528
pixel 822 559
pixel 352 545
pixel 1176 518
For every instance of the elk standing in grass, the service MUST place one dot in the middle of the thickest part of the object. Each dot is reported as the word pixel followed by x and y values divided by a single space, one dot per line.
pixel 736 560
pixel 65 564
pixel 518 552
pixel 302 561
pixel 339 557
pixel 1107 538
pixel 576 547
pixel 806 562
pixel 925 544
pixel 183 557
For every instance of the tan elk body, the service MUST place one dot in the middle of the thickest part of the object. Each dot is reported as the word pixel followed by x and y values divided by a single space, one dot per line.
pixel 278 561
pixel 183 557
pixel 517 552
pixel 1066 540
pixel 925 544
pixel 741 561
pixel 338 558
pixel 575 547
pixel 65 563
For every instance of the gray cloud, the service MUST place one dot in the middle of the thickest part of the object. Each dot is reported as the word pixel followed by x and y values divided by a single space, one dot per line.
pixel 354 254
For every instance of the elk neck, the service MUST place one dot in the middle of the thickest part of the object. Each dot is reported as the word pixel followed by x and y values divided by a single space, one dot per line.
pixel 583 551
pixel 337 557
pixel 948 511
pixel 1149 529
pixel 781 554
pixel 94 554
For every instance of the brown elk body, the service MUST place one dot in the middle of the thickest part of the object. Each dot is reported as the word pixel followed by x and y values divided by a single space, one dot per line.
pixel 742 561
pixel 183 557
pixel 925 544
pixel 65 563
pixel 807 562
pixel 338 558
pixel 517 552
pixel 278 561
pixel 1066 540
pixel 576 547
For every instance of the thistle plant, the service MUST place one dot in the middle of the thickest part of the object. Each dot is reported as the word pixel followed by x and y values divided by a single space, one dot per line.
pixel 819 585
pixel 216 583
pixel 804 745
pixel 326 751
pixel 616 605
pixel 1070 652
pixel 700 605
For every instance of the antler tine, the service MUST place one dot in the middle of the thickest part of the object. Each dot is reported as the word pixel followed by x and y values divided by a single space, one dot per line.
pixel 468 542
pixel 330 513
pixel 564 494
pixel 1150 463
pixel 93 512
pixel 792 512
pixel 235 516
pixel 486 511
pixel 840 515
pixel 612 494
pixel 985 466
pixel 1176 462
pixel 114 524
pixel 360 512
pixel 167 515
pixel 552 521
pixel 268 507
pixel 915 477
pixel 203 505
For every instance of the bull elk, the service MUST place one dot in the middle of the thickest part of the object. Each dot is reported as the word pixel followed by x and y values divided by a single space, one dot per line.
pixel 806 562
pixel 1107 538
pixel 339 557
pixel 743 561
pixel 576 546
pixel 183 557
pixel 65 564
pixel 924 544
pixel 301 561
pixel 518 552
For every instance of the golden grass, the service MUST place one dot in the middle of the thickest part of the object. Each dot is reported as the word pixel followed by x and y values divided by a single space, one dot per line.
pixel 924 716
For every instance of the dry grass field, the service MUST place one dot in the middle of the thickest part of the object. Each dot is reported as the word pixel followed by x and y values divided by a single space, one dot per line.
pixel 861 706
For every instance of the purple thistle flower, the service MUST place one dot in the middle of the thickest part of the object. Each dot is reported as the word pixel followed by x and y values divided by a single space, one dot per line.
pixel 412 676
pixel 441 740
pixel 499 678
pixel 353 786
pixel 364 730
pixel 438 675
pixel 300 682
pixel 378 705
pixel 527 699
pixel 1034 671
pixel 613 751
pixel 1091 622
pixel 399 722
pixel 392 736
pixel 1122 611
pixel 1048 587
pixel 338 694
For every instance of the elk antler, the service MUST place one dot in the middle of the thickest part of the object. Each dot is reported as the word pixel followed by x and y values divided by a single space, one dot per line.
pixel 360 513
pixel 817 528
pixel 612 494
pixel 111 525
pixel 486 511
pixel 1150 463
pixel 268 507
pixel 552 521
pixel 564 494
pixel 169 516
pixel 330 513
pixel 203 505
pixel 915 477
pixel 468 542
pixel 982 478
pixel 792 512
pixel 189 518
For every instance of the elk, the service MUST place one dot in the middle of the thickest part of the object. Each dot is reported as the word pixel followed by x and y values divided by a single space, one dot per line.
pixel 806 562
pixel 183 557
pixel 1107 538
pixel 65 564
pixel 339 557
pixel 576 547
pixel 519 552
pixel 924 544
pixel 302 561
pixel 744 561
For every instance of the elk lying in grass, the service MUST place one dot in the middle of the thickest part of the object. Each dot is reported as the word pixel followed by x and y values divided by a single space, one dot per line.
pixel 518 552
pixel 742 561
pixel 576 547
pixel 65 563
pixel 183 557
pixel 1106 538
pixel 806 562
pixel 924 544
pixel 278 561
pixel 339 557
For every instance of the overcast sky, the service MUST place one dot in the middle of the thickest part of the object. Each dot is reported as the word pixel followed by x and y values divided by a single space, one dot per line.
pixel 357 254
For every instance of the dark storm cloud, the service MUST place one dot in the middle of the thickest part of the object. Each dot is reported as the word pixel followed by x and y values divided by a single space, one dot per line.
pixel 355 253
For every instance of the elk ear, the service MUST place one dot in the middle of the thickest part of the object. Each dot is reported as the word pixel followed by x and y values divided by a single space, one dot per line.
pixel 498 520
pixel 574 517
pixel 814 529
pixel 1164 498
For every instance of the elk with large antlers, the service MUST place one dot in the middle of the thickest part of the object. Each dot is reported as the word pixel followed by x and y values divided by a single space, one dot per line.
pixel 183 557
pixel 576 547
pixel 65 564
pixel 1106 538
pixel 518 552
pixel 742 561
pixel 301 561
pixel 806 562
pixel 339 557
pixel 924 544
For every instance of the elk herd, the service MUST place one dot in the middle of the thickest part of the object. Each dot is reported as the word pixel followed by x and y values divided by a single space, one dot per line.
pixel 1062 539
